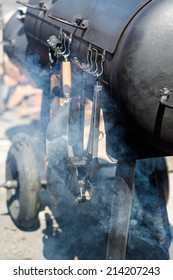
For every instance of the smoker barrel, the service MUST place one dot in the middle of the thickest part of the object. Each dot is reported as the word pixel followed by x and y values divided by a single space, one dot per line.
pixel 136 39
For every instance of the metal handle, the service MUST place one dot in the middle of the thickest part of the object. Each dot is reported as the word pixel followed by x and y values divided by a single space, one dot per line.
pixel 40 7
pixel 82 24
pixel 164 97
pixel 165 103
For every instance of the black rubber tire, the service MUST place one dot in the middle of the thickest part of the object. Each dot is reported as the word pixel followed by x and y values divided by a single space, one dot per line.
pixel 24 202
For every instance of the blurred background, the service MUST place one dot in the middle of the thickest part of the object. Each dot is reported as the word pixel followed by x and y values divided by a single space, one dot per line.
pixel 21 113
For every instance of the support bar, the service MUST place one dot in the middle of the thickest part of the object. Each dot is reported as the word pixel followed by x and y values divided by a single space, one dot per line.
pixel 121 209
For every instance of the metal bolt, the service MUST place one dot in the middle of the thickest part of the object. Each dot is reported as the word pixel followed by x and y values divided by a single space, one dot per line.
pixel 13 184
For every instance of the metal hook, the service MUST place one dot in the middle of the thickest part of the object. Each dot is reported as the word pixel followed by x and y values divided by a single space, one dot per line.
pixel 69 38
pixel 95 61
pixel 92 67
pixel 102 62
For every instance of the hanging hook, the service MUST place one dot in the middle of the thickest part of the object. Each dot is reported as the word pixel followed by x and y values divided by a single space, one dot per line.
pixel 92 67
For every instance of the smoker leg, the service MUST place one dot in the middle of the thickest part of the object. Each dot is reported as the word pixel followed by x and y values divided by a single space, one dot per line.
pixel 120 212
pixel 45 106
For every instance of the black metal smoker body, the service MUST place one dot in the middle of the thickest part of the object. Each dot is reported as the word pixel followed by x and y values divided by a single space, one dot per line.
pixel 119 51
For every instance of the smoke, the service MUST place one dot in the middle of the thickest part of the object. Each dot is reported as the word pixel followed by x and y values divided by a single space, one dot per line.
pixel 149 232
pixel 81 224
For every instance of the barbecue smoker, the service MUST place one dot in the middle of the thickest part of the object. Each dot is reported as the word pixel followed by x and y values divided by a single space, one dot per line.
pixel 117 54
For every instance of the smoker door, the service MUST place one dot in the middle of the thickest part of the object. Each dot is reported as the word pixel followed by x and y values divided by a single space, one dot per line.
pixel 106 20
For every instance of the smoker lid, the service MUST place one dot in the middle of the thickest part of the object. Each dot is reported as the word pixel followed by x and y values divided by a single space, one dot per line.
pixel 107 19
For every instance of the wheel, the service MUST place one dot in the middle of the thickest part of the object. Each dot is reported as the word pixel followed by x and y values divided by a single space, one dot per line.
pixel 23 202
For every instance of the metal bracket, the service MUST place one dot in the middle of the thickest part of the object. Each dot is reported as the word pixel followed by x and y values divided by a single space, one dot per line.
pixel 22 13
pixel 164 97
pixel 61 45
